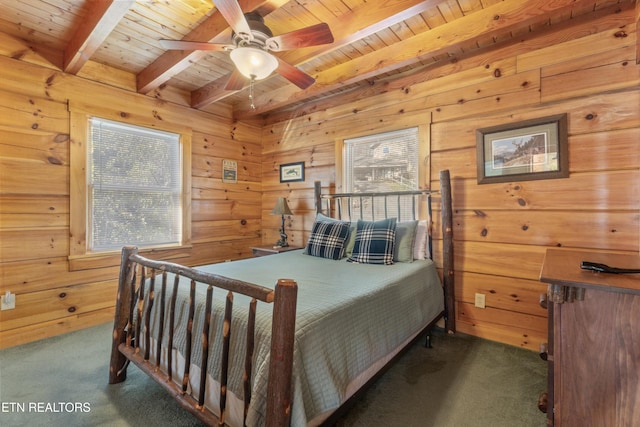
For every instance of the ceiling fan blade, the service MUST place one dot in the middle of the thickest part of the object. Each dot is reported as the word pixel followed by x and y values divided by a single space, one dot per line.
pixel 309 36
pixel 189 45
pixel 236 81
pixel 294 75
pixel 233 14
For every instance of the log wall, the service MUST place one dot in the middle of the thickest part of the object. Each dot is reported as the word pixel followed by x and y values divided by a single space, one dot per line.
pixel 501 230
pixel 35 190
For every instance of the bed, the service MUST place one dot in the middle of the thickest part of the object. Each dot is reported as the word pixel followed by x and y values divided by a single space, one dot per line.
pixel 289 339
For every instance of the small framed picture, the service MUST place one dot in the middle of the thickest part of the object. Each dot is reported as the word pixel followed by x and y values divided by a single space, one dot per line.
pixel 292 172
pixel 532 149
pixel 229 171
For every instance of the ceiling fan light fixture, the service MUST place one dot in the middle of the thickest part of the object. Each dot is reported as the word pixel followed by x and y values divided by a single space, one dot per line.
pixel 254 63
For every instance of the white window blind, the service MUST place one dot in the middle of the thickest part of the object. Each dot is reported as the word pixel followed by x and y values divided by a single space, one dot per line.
pixel 135 186
pixel 380 163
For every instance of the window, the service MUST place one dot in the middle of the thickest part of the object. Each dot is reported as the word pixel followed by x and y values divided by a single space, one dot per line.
pixel 133 185
pixel 130 185
pixel 382 162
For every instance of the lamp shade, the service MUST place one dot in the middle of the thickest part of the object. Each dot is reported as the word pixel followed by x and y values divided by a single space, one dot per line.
pixel 253 63
pixel 281 208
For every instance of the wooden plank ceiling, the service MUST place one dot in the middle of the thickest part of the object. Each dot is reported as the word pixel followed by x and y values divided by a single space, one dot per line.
pixel 375 41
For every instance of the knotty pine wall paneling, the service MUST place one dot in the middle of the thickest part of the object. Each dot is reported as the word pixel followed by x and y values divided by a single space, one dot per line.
pixel 501 231
pixel 35 191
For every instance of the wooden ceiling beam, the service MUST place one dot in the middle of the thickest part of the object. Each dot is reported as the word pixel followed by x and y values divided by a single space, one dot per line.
pixel 99 21
pixel 444 39
pixel 359 23
pixel 173 62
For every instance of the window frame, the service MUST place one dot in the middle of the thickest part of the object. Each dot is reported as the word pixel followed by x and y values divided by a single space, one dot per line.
pixel 80 257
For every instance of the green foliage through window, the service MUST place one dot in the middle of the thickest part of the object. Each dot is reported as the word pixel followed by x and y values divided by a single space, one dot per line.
pixel 134 186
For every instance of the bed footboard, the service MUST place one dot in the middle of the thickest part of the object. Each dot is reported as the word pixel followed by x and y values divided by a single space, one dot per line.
pixel 136 272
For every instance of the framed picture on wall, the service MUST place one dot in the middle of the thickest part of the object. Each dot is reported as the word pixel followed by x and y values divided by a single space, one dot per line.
pixel 527 150
pixel 292 172
pixel 230 171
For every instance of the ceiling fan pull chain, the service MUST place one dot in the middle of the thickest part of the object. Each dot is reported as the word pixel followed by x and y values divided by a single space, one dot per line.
pixel 253 78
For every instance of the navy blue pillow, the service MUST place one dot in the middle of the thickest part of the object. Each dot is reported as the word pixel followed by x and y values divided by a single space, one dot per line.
pixel 375 241
pixel 328 239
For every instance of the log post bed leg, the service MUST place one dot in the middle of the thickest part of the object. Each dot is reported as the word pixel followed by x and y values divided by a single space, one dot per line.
pixel 427 340
pixel 117 371
pixel 447 251
pixel 317 192
pixel 279 396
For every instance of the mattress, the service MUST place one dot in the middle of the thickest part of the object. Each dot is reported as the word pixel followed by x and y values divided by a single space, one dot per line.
pixel 349 319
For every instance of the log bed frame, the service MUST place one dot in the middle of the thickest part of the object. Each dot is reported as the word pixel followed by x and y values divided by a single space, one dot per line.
pixel 126 348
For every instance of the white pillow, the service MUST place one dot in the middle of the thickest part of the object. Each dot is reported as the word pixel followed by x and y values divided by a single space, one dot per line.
pixel 420 244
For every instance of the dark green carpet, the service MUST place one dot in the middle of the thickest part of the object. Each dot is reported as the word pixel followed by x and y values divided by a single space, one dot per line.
pixel 462 381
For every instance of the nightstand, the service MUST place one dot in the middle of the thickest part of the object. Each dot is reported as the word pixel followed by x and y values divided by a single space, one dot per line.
pixel 272 250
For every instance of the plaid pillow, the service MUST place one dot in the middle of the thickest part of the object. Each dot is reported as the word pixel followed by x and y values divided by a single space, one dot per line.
pixel 348 245
pixel 375 241
pixel 327 239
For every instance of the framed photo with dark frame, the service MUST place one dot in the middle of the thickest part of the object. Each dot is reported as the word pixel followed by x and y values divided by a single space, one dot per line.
pixel 292 172
pixel 526 150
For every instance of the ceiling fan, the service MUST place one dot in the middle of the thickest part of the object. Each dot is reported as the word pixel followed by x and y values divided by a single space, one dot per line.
pixel 252 42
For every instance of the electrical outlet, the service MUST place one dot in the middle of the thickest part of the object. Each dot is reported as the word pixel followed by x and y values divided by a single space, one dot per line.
pixel 8 301
pixel 480 300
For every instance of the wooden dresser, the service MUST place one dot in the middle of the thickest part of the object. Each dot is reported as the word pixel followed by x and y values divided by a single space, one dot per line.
pixel 593 353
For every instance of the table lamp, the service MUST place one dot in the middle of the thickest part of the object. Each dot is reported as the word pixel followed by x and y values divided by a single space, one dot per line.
pixel 282 209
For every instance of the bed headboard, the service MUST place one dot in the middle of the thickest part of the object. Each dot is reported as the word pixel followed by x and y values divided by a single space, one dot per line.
pixel 403 205
pixel 378 205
